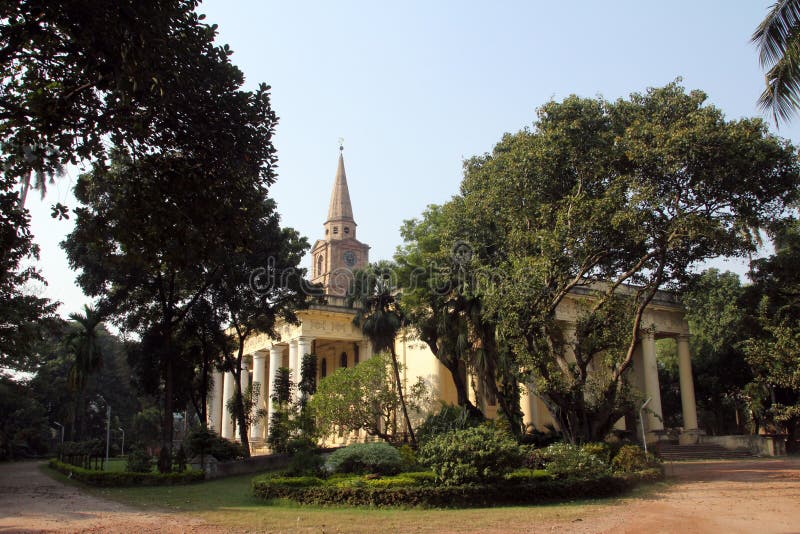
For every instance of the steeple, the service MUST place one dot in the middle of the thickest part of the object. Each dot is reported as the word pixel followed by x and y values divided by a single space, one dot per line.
pixel 340 209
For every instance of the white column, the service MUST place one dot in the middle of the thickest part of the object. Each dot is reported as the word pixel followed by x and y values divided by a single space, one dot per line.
pixel 528 405
pixel 687 384
pixel 366 350
pixel 227 393
pixel 651 386
pixel 275 357
pixel 259 374
pixel 215 402
pixel 244 380
pixel 303 348
pixel 294 363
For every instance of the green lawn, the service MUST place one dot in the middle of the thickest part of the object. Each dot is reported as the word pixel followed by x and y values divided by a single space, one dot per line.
pixel 227 502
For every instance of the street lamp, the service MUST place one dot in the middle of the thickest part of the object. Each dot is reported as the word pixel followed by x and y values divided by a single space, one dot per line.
pixel 108 424
pixel 123 441
pixel 62 431
pixel 641 420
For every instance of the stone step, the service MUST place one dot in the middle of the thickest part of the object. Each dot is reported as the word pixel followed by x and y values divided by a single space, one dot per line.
pixel 699 452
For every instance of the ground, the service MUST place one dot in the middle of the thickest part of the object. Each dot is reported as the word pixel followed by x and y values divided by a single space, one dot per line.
pixel 761 495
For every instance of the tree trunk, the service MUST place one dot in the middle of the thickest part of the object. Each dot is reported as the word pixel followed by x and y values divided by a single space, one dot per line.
pixel 402 398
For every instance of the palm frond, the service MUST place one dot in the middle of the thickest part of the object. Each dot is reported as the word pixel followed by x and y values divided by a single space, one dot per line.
pixel 778 29
pixel 782 95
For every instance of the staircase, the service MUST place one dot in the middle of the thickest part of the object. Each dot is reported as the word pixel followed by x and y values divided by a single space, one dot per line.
pixel 672 452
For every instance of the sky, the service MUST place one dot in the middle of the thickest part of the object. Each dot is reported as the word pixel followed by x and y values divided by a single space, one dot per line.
pixel 415 87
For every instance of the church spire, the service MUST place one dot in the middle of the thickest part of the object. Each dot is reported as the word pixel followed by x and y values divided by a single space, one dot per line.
pixel 340 209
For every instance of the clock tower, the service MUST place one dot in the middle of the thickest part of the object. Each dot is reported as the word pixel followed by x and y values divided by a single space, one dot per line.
pixel 339 254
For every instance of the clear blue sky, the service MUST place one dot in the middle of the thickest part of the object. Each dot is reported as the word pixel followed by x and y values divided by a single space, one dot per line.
pixel 415 87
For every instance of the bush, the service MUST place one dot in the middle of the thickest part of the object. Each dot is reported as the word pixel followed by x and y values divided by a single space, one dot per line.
pixel 363 458
pixel 306 462
pixel 139 462
pixel 409 458
pixel 527 475
pixel 631 458
pixel 203 441
pixel 395 492
pixel 563 460
pixel 117 479
pixel 600 449
pixel 470 455
pixel 448 419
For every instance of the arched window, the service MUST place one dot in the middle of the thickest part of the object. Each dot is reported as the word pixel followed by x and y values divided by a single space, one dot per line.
pixel 335 229
pixel 323 368
pixel 343 360
pixel 320 262
pixel 347 229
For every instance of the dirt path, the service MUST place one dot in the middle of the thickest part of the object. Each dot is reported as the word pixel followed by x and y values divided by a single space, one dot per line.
pixel 30 501
pixel 761 496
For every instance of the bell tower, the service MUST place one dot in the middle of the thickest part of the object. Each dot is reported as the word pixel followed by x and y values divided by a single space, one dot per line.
pixel 335 257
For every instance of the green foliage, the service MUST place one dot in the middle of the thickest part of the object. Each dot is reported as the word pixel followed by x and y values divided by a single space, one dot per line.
pixel 470 455
pixel 23 425
pixel 417 489
pixel 525 474
pixel 600 449
pixel 306 462
pixel 359 398
pixel 201 441
pixel 563 460
pixel 379 458
pixel 632 458
pixel 179 462
pixel 447 419
pixel 308 376
pixel 408 458
pixel 139 461
pixel 120 479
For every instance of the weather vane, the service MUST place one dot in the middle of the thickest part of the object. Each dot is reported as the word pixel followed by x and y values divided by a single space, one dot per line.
pixel 341 144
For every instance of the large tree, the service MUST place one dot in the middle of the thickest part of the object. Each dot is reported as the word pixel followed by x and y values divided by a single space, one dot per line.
pixel 617 200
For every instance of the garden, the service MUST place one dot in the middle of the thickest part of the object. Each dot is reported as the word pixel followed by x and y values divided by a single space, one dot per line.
pixel 479 464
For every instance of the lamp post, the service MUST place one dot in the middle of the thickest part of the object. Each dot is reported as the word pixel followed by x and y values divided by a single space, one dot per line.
pixel 641 420
pixel 108 424
pixel 123 441
pixel 62 432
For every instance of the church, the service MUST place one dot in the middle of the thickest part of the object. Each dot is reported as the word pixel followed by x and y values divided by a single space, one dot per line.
pixel 327 331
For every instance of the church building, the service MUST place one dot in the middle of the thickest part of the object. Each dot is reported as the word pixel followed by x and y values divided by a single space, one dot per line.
pixel 327 331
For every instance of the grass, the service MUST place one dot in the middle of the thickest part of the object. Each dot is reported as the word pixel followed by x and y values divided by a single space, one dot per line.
pixel 228 503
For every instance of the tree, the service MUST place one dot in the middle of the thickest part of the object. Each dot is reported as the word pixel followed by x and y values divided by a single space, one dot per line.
pixel 379 317
pixel 360 398
pixel 616 200
pixel 432 296
pixel 83 343
pixel 773 351
pixel 778 42
pixel 259 283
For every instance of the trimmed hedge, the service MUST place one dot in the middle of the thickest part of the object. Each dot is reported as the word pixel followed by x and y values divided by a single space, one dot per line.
pixel 120 479
pixel 531 489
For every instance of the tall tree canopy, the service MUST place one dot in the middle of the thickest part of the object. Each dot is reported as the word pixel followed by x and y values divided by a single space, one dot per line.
pixel 616 200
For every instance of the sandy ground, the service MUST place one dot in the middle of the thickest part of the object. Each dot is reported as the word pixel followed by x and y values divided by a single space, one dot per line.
pixel 761 496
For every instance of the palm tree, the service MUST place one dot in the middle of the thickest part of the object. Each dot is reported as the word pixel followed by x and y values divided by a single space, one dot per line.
pixel 83 342
pixel 380 319
pixel 778 41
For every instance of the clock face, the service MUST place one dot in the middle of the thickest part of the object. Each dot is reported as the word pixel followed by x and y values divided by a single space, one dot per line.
pixel 349 258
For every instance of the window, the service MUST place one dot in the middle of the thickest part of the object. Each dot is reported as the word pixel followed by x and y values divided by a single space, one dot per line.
pixel 343 360
pixel 335 230
pixel 347 229
pixel 320 262
pixel 323 368
pixel 355 354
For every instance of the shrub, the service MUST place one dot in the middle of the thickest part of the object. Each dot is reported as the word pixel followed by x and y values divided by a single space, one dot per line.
pixel 306 462
pixel 600 449
pixel 409 458
pixel 632 458
pixel 139 462
pixel 363 458
pixel 448 419
pixel 202 441
pixel 527 475
pixel 563 460
pixel 122 479
pixel 470 455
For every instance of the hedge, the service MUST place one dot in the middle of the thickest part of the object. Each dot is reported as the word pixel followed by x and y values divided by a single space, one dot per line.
pixel 120 479
pixel 521 490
